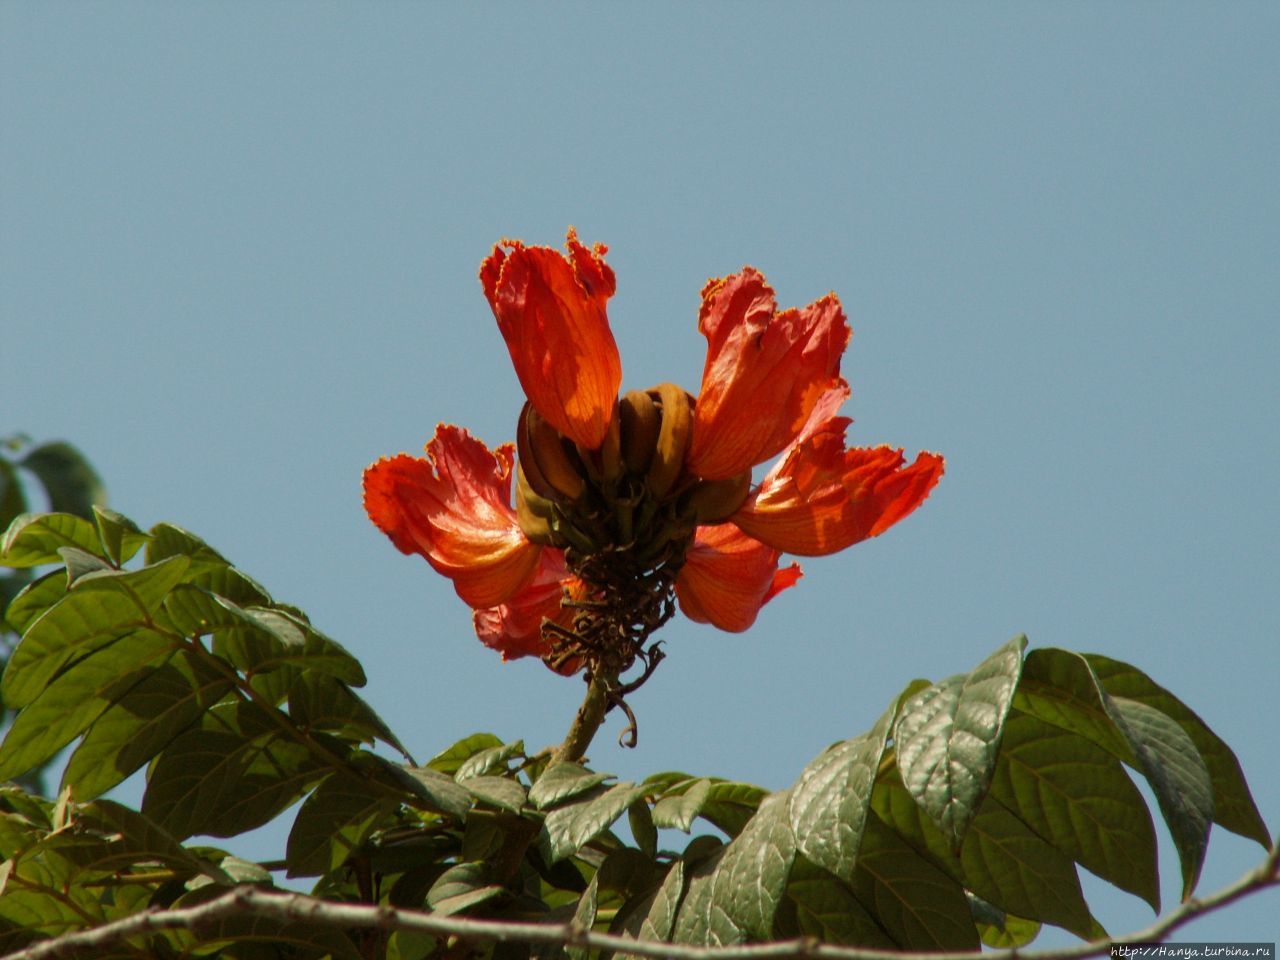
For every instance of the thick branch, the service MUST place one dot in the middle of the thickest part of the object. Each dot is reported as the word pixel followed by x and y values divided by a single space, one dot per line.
pixel 293 906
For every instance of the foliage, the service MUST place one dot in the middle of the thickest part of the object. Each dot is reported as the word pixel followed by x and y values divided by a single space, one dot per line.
pixel 69 483
pixel 958 819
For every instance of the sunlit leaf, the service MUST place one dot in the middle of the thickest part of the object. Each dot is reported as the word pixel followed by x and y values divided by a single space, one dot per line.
pixel 501 792
pixel 120 536
pixel 678 811
pixel 947 736
pixel 574 825
pixel 1001 930
pixel 34 538
pixel 488 760
pixel 829 801
pixel 563 781
pixel 450 760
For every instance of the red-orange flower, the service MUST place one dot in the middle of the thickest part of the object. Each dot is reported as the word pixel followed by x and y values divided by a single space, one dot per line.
pixel 655 486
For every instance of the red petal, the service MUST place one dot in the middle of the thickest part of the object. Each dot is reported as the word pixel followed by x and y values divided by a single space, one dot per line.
pixel 551 311
pixel 514 628
pixel 727 577
pixel 822 497
pixel 454 509
pixel 764 372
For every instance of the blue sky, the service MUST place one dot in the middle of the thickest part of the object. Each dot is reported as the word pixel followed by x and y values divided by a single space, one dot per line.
pixel 238 254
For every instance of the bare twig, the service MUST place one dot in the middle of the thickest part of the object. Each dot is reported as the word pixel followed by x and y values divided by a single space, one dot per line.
pixel 254 901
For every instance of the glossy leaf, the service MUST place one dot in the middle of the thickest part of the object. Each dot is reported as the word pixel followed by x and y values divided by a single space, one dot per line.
pixel 1233 805
pixel 570 827
pixel 829 802
pixel 947 737
pixel 1178 777
pixel 752 876
pixel 320 702
pixel 678 811
pixel 450 760
pixel 500 792
pixel 486 761
pixel 643 829
pixel 563 781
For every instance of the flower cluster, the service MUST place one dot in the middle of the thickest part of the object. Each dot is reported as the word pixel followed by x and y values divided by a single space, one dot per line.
pixel 625 505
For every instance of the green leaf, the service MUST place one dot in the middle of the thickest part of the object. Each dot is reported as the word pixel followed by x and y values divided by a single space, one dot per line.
pixel 129 838
pixel 77 697
pixel 679 811
pixel 827 910
pixel 1233 805
pixel 486 761
pixel 72 484
pixel 317 701
pixel 168 540
pixel 236 935
pixel 1060 688
pixel 752 876
pixel 165 703
pixel 459 888
pixel 698 922
pixel 450 760
pixel 569 828
pixel 1076 796
pixel 340 815
pixel 661 916
pixel 78 563
pixel 947 737
pixel 234 772
pixel 730 805
pixel 34 599
pixel 1178 777
pixel 101 608
pixel 562 781
pixel 829 801
pixel 1001 860
pixel 917 904
pixel 643 829
pixel 1000 930
pixel 13 502
pixel 120 536
pixel 501 792
pixel 433 788
pixel 266 639
pixel 584 918
pixel 34 538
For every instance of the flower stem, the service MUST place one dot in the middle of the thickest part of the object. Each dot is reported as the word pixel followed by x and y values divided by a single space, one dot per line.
pixel 589 717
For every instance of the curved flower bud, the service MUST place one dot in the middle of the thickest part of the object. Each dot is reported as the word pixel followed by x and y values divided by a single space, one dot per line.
pixel 514 628
pixel 453 508
pixel 764 372
pixel 822 497
pixel 727 577
pixel 551 311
